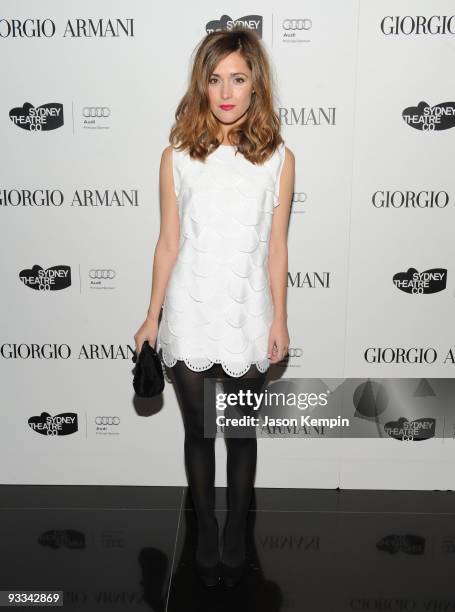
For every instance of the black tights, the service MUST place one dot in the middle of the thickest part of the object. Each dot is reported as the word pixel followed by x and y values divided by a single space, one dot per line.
pixel 200 459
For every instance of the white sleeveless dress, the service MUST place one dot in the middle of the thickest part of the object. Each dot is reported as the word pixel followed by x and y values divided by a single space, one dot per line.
pixel 218 306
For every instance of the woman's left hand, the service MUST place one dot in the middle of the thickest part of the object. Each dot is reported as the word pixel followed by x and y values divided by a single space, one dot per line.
pixel 278 341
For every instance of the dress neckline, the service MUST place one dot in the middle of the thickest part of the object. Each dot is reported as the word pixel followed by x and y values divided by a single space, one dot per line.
pixel 226 149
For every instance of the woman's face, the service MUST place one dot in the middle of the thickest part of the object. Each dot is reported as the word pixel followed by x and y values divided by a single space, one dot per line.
pixel 229 89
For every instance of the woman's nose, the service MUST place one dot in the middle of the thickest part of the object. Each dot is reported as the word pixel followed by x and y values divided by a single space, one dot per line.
pixel 225 91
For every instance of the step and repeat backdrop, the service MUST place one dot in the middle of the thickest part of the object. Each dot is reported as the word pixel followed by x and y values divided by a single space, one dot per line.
pixel 366 99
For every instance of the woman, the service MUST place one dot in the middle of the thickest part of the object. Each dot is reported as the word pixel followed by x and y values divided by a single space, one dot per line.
pixel 220 266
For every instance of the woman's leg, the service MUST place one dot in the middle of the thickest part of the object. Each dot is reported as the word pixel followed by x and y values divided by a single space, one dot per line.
pixel 241 468
pixel 199 458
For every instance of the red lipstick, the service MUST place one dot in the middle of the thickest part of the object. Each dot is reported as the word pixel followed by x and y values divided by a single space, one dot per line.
pixel 226 107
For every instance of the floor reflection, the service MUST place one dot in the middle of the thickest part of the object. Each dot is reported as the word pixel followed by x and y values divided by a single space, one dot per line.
pixel 314 550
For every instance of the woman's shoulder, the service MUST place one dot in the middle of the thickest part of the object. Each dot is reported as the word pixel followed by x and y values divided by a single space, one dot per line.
pixel 289 157
pixel 281 154
pixel 288 151
pixel 172 156
pixel 169 151
pixel 284 151
pixel 285 157
pixel 167 155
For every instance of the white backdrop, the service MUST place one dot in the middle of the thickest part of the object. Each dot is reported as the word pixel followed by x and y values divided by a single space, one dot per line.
pixel 366 100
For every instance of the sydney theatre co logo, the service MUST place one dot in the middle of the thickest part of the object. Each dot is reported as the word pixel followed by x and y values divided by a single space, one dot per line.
pixel 62 424
pixel 58 277
pixel 421 283
pixel 428 118
pixel 66 423
pixel 49 117
pixel 417 430
pixel 46 279
pixel 292 29
pixel 38 118
pixel 225 22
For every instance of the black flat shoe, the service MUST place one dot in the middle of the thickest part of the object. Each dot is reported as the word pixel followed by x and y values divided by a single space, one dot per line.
pixel 232 574
pixel 209 574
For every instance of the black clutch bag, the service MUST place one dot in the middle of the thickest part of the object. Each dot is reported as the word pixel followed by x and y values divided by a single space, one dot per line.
pixel 148 373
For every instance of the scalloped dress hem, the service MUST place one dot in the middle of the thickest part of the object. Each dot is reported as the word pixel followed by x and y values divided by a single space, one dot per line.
pixel 200 365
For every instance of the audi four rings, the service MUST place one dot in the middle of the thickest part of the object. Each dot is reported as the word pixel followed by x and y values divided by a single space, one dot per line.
pixel 100 273
pixel 96 111
pixel 107 420
pixel 299 196
pixel 297 24
pixel 295 352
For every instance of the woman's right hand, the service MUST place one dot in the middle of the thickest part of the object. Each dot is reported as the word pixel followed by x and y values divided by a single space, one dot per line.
pixel 147 331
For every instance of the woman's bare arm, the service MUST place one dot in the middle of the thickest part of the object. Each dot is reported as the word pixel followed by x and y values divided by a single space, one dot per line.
pixel 278 249
pixel 166 249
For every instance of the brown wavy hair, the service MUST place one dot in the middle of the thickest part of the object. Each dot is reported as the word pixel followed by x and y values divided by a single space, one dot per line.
pixel 196 129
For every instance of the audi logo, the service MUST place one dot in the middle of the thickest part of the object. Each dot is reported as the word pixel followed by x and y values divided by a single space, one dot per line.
pixel 100 273
pixel 295 352
pixel 107 420
pixel 96 111
pixel 297 24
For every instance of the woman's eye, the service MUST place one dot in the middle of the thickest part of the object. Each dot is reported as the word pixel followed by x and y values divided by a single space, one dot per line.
pixel 213 80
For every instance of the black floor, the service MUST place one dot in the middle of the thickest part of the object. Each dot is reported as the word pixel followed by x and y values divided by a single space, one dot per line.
pixel 130 548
